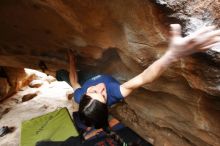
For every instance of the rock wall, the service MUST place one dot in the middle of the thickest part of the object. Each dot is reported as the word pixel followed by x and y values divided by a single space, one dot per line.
pixel 122 38
pixel 13 79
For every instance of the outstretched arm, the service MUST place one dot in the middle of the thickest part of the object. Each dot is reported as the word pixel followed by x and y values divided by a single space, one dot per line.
pixel 72 69
pixel 179 47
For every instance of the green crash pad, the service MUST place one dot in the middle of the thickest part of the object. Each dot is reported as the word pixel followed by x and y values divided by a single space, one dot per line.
pixel 55 126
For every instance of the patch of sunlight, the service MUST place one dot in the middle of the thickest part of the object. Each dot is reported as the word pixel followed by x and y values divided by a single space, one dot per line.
pixel 32 71
pixel 56 90
pixel 50 89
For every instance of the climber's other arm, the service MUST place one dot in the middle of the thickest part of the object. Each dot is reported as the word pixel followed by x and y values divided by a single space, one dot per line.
pixel 72 71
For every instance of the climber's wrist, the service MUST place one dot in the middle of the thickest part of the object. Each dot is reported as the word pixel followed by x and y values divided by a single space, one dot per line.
pixel 170 57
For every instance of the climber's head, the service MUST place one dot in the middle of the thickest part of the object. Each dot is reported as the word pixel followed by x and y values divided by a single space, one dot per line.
pixel 93 109
pixel 93 112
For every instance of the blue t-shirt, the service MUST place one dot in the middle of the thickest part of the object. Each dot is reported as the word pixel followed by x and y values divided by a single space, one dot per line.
pixel 112 88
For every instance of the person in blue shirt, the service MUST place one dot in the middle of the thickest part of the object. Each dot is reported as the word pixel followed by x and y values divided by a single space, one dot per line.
pixel 102 91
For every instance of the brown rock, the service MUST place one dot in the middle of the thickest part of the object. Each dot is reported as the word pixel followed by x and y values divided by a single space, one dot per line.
pixel 13 79
pixel 122 38
pixel 28 97
pixel 4 88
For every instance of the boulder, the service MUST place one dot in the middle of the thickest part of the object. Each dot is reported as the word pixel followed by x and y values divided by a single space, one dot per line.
pixel 122 38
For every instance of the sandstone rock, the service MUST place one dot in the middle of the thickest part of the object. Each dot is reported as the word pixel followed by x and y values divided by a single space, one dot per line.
pixel 50 79
pixel 122 38
pixel 4 88
pixel 36 84
pixel 13 80
pixel 28 97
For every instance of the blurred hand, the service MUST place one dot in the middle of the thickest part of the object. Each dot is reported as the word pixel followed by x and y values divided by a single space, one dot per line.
pixel 199 41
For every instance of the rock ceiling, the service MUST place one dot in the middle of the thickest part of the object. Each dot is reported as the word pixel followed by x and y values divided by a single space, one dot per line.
pixel 122 37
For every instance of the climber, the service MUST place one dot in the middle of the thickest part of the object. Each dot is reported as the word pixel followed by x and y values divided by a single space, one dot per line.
pixel 102 91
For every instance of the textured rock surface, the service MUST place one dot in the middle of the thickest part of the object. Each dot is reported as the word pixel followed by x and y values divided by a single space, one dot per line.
pixel 122 37
pixel 12 79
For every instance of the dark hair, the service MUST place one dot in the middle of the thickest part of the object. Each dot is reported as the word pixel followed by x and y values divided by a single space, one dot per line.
pixel 93 112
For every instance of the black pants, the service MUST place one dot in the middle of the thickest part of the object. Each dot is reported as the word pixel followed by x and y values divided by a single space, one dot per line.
pixel 127 134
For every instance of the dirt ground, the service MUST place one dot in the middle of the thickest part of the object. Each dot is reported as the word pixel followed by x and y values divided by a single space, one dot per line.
pixel 43 96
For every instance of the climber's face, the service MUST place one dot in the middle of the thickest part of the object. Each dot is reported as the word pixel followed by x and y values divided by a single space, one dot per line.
pixel 98 92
